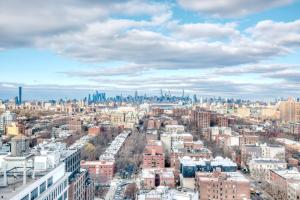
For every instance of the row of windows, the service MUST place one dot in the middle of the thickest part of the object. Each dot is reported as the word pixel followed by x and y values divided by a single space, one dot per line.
pixel 225 191
pixel 35 193
pixel 57 192
pixel 221 186
pixel 216 197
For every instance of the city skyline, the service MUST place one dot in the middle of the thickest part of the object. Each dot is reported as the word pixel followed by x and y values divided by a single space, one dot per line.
pixel 237 50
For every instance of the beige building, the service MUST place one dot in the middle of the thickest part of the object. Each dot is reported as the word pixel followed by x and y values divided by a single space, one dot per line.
pixel 289 110
pixel 243 112
pixel 269 113
pixel 14 129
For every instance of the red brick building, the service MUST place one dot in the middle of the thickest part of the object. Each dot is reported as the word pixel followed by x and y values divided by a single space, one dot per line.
pixel 153 156
pixel 179 112
pixel 200 118
pixel 174 158
pixel 248 139
pixel 222 121
pixel 100 171
pixel 153 123
pixel 152 178
pixel 75 124
pixel 94 131
pixel 157 111
pixel 279 181
pixel 222 186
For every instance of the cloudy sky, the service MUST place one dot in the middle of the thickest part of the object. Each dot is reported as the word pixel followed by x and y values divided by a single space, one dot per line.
pixel 230 48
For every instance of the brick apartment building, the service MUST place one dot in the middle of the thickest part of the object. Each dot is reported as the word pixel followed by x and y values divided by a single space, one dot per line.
pixel 94 131
pixel 153 177
pixel 75 124
pixel 222 121
pixel 153 156
pixel 200 118
pixel 222 186
pixel 100 171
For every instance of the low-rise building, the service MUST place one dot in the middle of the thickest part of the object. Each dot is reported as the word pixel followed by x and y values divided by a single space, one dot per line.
pixel 165 193
pixel 14 129
pixel 174 128
pixel 290 145
pixel 101 171
pixel 247 139
pixel 189 167
pixel 222 185
pixel 94 131
pixel 154 177
pixel 251 151
pixel 260 168
pixel 281 180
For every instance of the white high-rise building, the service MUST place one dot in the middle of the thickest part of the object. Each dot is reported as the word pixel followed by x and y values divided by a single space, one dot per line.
pixel 53 185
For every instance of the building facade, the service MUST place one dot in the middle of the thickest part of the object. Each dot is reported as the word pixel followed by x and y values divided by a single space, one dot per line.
pixel 218 186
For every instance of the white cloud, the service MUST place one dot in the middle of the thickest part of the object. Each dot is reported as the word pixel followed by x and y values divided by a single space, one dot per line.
pixel 205 31
pixel 105 31
pixel 230 8
pixel 136 42
pixel 279 33
pixel 291 76
pixel 21 23
pixel 260 68
pixel 129 69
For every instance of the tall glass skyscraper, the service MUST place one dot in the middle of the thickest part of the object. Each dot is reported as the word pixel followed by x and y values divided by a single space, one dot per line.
pixel 20 96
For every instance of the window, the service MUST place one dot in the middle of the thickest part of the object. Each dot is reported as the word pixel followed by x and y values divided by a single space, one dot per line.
pixel 26 197
pixel 42 187
pixel 34 193
pixel 49 182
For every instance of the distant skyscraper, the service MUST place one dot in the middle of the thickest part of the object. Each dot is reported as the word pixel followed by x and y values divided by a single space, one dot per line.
pixel 195 98
pixel 20 96
pixel 89 99
pixel 16 100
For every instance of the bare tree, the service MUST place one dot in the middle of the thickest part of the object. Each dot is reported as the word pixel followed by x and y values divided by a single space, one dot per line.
pixel 130 191
pixel 89 152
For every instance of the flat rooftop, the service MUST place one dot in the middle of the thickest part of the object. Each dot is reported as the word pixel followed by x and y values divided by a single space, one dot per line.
pixel 15 183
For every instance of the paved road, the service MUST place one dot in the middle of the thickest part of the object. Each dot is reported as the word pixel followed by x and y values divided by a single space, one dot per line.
pixel 116 189
pixel 257 187
pixel 112 189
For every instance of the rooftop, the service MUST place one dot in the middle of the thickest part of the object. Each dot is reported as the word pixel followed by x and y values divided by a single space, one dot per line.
pixel 114 147
pixel 217 161
pixel 267 160
pixel 15 181
pixel 229 176
pixel 288 174
pixel 162 192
